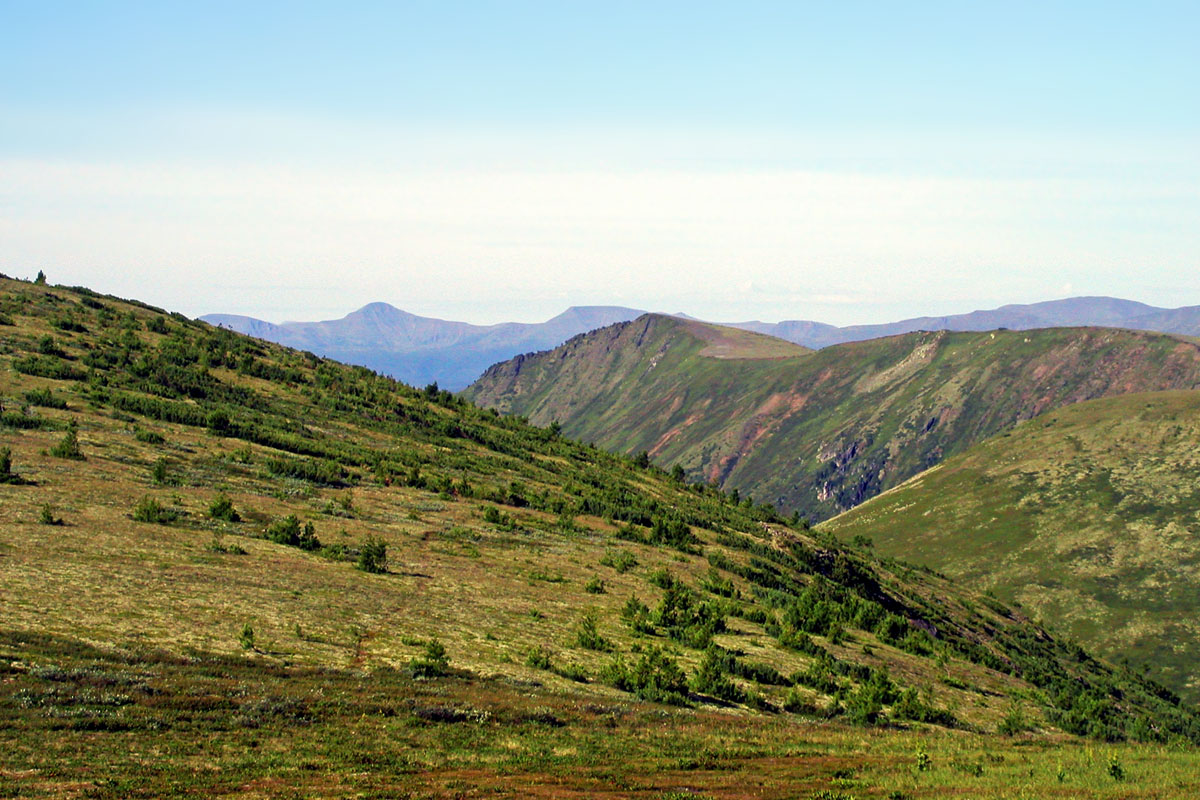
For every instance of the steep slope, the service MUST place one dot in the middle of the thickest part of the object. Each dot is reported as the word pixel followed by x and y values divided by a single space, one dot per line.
pixel 421 350
pixel 820 432
pixel 1109 312
pixel 1089 516
pixel 183 509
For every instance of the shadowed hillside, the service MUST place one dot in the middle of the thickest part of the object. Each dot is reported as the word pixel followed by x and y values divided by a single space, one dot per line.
pixel 820 432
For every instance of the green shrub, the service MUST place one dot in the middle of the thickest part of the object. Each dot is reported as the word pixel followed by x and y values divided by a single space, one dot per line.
pixel 6 473
pixel 655 676
pixel 637 615
pixel 150 510
pixel 710 679
pixel 539 658
pixel 620 560
pixel 594 585
pixel 222 508
pixel 45 398
pixel 68 446
pixel 433 664
pixel 48 367
pixel 1014 722
pixel 246 637
pixel 372 556
pixel 288 531
pixel 149 437
pixel 47 516
pixel 158 472
pixel 587 635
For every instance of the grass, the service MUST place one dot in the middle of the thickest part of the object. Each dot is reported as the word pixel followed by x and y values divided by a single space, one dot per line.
pixel 268 668
pixel 115 723
pixel 1085 516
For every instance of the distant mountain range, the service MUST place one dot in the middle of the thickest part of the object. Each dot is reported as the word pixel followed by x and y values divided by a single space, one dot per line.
pixel 1107 312
pixel 420 350
pixel 423 350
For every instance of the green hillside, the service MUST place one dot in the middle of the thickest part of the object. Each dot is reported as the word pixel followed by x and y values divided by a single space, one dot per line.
pixel 818 433
pixel 229 568
pixel 1089 516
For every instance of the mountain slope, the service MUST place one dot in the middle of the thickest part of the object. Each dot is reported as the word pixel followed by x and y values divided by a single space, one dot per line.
pixel 184 507
pixel 1109 312
pixel 421 350
pixel 1089 516
pixel 820 432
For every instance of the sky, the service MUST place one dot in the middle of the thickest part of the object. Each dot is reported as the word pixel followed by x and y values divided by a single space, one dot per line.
pixel 847 162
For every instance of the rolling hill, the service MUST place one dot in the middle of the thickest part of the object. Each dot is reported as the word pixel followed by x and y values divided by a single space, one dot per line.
pixel 232 568
pixel 819 432
pixel 1089 516
pixel 421 350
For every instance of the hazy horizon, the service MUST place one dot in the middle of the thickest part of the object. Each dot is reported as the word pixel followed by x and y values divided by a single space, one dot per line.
pixel 850 164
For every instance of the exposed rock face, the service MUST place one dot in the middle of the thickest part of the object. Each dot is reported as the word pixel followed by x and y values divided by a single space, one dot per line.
pixel 819 432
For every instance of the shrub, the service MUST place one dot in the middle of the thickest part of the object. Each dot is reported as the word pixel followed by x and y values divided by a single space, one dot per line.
pixel 372 556
pixel 711 679
pixel 246 637
pixel 434 663
pixel 655 677
pixel 594 586
pixel 158 472
pixel 149 437
pixel 1014 722
pixel 68 446
pixel 587 635
pixel 47 516
pixel 287 531
pixel 150 510
pixel 539 658
pixel 45 398
pixel 222 508
pixel 6 473
pixel 620 560
pixel 637 614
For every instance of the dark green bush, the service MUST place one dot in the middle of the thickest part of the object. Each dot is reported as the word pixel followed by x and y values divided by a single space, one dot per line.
pixel 372 556
pixel 433 664
pixel 150 510
pixel 222 508
pixel 68 446
pixel 288 531
pixel 45 398
pixel 587 634
pixel 655 676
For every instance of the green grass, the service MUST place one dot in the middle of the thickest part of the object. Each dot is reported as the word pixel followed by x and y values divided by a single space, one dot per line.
pixel 288 668
pixel 81 720
pixel 1087 516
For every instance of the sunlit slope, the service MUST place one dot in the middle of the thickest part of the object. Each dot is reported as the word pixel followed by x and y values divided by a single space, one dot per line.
pixel 154 463
pixel 1089 516
pixel 820 432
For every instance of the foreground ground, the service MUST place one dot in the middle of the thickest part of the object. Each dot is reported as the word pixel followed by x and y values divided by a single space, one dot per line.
pixel 76 721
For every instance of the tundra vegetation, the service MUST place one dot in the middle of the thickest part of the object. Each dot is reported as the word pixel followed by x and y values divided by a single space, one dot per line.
pixel 351 586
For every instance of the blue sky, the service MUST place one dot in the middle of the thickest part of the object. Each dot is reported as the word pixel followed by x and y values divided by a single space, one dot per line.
pixel 848 162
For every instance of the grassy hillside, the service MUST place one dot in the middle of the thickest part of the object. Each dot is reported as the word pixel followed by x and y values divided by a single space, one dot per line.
pixel 1088 516
pixel 232 568
pixel 818 433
